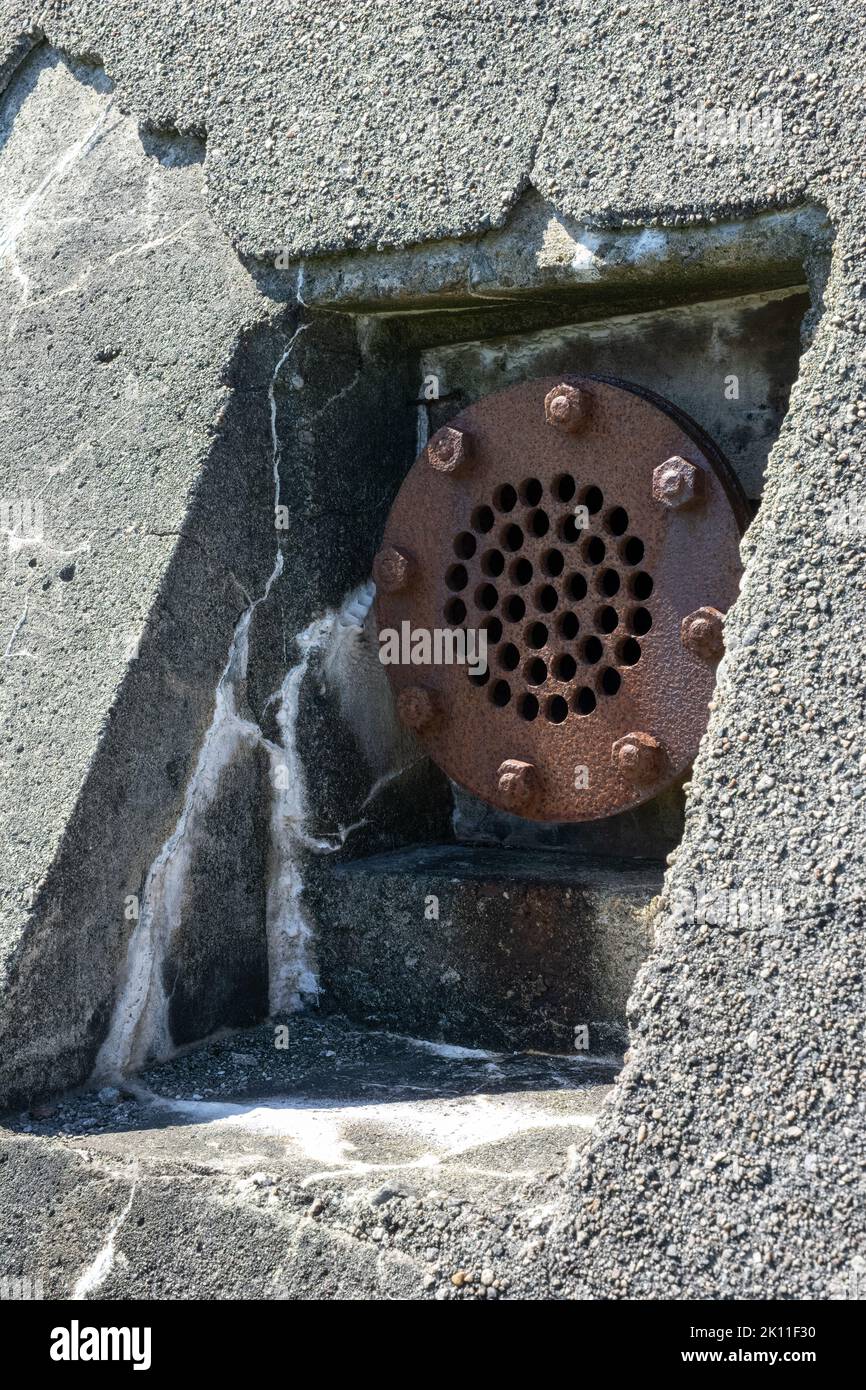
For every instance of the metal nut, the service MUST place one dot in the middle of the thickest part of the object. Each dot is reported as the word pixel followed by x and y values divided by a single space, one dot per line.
pixel 678 483
pixel 392 569
pixel 639 757
pixel 518 782
pixel 417 707
pixel 565 407
pixel 449 449
pixel 701 633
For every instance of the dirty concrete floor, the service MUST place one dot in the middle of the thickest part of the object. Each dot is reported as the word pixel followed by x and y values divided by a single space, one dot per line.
pixel 343 1164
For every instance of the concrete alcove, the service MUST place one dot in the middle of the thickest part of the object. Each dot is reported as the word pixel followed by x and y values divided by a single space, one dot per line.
pixel 276 839
pixel 439 915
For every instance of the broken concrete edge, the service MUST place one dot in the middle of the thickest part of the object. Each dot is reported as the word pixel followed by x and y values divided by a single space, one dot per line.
pixel 538 248
pixel 559 77
pixel 14 52
pixel 532 247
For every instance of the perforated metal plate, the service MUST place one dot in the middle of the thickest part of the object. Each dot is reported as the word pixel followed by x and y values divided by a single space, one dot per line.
pixel 591 530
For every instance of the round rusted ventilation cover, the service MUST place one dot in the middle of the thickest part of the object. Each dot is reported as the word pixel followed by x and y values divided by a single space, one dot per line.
pixel 591 530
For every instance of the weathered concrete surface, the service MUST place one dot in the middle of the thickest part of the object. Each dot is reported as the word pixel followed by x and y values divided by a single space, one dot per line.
pixel 125 309
pixel 485 947
pixel 368 125
pixel 148 598
pixel 341 1164
pixel 736 1031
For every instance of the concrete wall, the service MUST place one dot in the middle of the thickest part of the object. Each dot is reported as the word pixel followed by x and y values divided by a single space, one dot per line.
pixel 143 300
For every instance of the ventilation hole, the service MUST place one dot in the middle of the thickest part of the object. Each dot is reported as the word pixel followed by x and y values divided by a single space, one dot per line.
pixel 512 537
pixel 509 657
pixel 592 650
pixel 482 520
pixel 564 487
pixel 486 597
pixel 611 680
pixel 547 599
pixel 521 570
pixel 569 531
pixel 565 667
pixel 617 521
pixel 641 621
pixel 501 693
pixel 594 550
pixel 481 679
pixel 628 652
pixel 492 563
pixel 493 628
pixel 457 578
pixel 606 619
pixel 632 550
pixel 536 671
pixel 609 582
pixel 577 587
pixel 515 608
pixel 642 585
pixel 540 522
pixel 529 707
pixel 536 635
pixel 557 710
pixel 464 545
pixel 455 611
pixel 593 499
pixel 531 491
pixel 568 626
pixel 584 701
pixel 552 563
pixel 505 498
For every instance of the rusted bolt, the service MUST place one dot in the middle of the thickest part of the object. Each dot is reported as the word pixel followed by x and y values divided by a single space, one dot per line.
pixel 417 706
pixel 678 483
pixel 701 633
pixel 392 569
pixel 449 449
pixel 639 757
pixel 566 408
pixel 517 782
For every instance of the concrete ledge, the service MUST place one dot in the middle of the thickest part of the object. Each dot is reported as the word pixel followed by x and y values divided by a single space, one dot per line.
pixel 481 947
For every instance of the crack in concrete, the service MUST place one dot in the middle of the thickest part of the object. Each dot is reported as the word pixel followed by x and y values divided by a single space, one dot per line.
pixel 15 226
pixel 16 629
pixel 96 1273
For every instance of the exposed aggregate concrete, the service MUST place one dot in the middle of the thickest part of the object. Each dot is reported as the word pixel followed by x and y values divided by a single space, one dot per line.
pixel 730 1162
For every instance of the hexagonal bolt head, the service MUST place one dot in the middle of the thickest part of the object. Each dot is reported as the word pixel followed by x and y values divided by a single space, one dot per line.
pixel 566 407
pixel 702 633
pixel 517 782
pixel 639 757
pixel 449 449
pixel 392 569
pixel 417 707
pixel 678 483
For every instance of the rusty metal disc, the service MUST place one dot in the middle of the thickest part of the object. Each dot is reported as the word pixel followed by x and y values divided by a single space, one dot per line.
pixel 591 530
